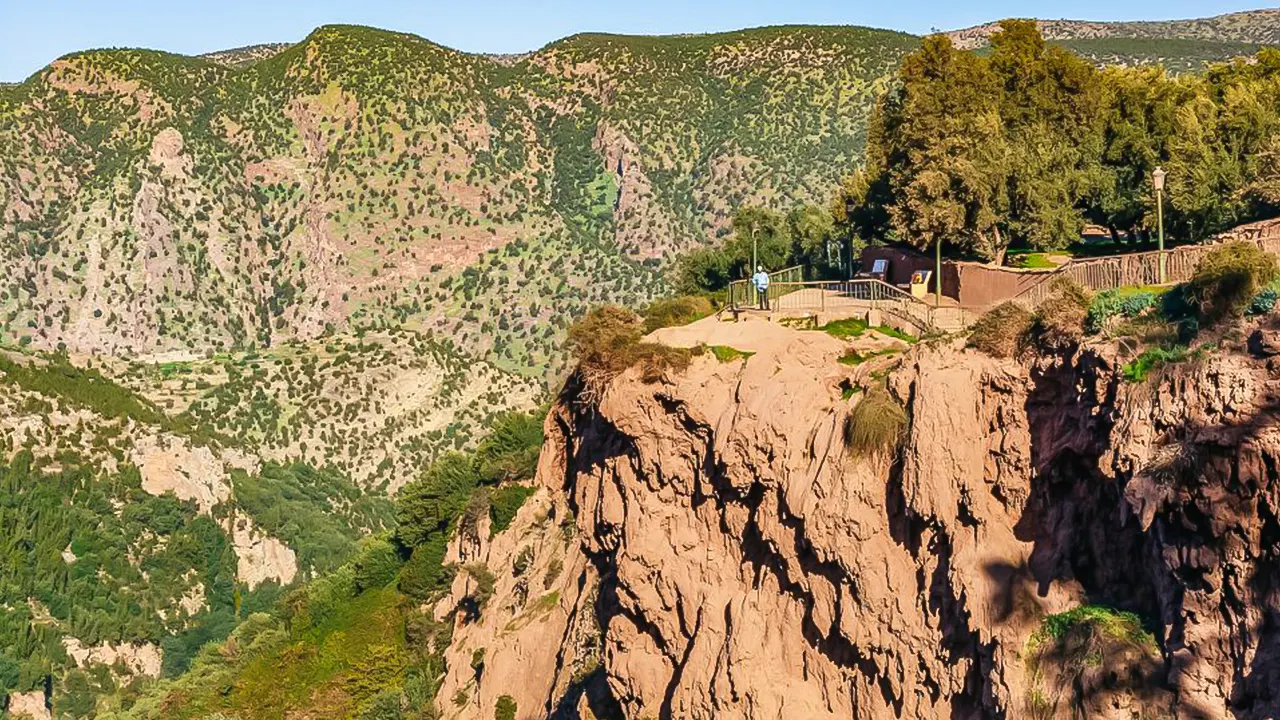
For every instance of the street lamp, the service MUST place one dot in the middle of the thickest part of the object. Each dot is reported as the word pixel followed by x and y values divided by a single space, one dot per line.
pixel 1157 181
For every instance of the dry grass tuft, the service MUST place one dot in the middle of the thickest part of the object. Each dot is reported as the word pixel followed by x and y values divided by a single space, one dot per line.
pixel 875 425
pixel 1002 331
pixel 1060 320
pixel 607 341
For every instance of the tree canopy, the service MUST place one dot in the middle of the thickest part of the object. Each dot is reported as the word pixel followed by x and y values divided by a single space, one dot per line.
pixel 1028 143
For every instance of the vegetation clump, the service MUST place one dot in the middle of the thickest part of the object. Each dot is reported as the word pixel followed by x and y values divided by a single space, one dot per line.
pixel 845 328
pixel 608 341
pixel 1082 650
pixel 1228 279
pixel 724 353
pixel 671 312
pixel 1060 320
pixel 1153 358
pixel 1002 331
pixel 875 425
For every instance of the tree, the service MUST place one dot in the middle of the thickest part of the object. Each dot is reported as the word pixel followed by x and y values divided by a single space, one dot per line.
pixel 762 231
pixel 942 151
pixel 428 506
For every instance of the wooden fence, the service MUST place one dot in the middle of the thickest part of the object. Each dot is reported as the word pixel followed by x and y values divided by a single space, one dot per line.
pixel 1115 271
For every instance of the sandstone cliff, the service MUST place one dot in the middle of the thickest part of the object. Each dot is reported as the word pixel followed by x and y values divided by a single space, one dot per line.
pixel 738 561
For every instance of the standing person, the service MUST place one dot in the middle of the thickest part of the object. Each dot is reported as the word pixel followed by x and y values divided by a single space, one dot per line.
pixel 761 281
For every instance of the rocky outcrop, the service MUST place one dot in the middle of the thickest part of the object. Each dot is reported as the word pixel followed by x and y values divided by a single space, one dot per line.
pixel 29 706
pixel 745 563
pixel 138 659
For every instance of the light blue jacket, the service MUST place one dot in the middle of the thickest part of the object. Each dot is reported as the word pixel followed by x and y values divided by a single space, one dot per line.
pixel 761 280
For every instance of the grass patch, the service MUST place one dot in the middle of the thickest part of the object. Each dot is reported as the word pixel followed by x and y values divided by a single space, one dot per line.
pixel 724 353
pixel 1154 358
pixel 844 329
pixel 875 425
pixel 1032 261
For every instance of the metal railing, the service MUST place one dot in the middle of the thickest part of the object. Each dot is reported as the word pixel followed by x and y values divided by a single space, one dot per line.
pixel 851 295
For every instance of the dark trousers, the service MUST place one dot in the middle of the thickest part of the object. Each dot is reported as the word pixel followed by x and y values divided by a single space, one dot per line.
pixel 763 295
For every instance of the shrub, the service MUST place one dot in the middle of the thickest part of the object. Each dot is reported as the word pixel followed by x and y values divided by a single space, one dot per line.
pixel 1228 278
pixel 875 424
pixel 425 573
pixel 1113 303
pixel 510 451
pixel 504 504
pixel 1060 320
pixel 505 709
pixel 1002 331
pixel 376 564
pixel 671 312
pixel 1264 302
pixel 1133 305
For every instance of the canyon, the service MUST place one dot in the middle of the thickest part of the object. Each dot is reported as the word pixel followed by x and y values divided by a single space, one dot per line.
pixel 732 558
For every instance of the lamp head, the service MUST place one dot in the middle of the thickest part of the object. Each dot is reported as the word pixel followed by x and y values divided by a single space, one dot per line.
pixel 1157 178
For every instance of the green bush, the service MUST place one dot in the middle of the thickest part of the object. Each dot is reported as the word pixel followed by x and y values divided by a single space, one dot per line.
pixel 510 450
pixel 1228 278
pixel 429 505
pixel 671 312
pixel 425 573
pixel 1115 303
pixel 1002 331
pixel 875 425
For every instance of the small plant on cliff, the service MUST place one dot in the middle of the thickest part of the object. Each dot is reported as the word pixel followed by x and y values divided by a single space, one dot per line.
pixel 1002 331
pixel 1069 645
pixel 1228 278
pixel 505 709
pixel 875 425
pixel 1154 358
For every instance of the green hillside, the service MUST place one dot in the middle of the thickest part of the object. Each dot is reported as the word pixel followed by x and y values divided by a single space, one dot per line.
pixel 364 178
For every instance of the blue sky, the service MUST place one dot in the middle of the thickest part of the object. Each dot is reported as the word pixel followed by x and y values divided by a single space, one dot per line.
pixel 34 32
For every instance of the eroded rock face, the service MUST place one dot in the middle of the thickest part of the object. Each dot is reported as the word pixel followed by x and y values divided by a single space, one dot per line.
pixel 29 706
pixel 745 564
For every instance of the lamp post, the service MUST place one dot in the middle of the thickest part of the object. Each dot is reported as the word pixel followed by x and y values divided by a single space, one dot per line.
pixel 1157 181
pixel 937 269
pixel 755 266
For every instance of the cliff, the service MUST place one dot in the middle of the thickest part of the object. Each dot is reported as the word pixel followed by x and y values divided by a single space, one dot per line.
pixel 1046 540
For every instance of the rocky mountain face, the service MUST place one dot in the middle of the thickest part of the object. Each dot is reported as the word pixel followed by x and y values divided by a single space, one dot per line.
pixel 152 203
pixel 1252 26
pixel 1048 541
